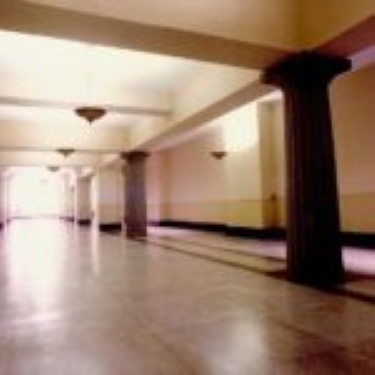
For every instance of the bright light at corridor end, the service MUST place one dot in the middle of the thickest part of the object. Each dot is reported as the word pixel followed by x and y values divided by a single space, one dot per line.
pixel 240 129
pixel 34 192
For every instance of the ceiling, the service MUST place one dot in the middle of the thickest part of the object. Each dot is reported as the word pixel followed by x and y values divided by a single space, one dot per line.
pixel 44 79
pixel 147 94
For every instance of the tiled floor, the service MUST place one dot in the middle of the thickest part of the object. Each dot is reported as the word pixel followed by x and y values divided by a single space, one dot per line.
pixel 76 302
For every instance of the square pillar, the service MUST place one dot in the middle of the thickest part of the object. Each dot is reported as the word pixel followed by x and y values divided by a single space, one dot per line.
pixel 135 194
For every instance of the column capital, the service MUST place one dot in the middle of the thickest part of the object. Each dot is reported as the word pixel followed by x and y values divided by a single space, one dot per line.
pixel 134 155
pixel 305 69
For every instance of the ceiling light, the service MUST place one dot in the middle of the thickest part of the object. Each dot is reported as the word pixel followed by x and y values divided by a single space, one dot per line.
pixel 53 168
pixel 90 113
pixel 218 154
pixel 65 151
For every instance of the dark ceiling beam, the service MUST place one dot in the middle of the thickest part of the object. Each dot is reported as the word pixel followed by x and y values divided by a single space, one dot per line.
pixel 352 41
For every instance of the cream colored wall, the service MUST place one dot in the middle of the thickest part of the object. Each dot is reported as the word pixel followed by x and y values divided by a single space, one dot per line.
pixel 5 198
pixel 353 98
pixel 193 188
pixel 69 191
pixel 2 198
pixel 83 199
pixel 268 164
pixel 110 189
pixel 322 20
pixel 94 198
pixel 278 140
pixel 156 187
pixel 201 188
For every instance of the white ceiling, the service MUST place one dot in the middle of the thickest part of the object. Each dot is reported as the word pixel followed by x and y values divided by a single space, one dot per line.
pixel 60 72
pixel 80 64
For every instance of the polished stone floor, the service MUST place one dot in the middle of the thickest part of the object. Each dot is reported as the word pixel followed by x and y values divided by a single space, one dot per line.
pixel 264 256
pixel 77 302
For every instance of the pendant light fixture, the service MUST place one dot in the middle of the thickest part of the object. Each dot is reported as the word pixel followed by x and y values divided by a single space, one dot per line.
pixel 65 151
pixel 90 112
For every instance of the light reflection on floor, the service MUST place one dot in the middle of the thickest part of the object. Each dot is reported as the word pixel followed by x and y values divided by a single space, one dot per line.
pixel 361 261
pixel 75 301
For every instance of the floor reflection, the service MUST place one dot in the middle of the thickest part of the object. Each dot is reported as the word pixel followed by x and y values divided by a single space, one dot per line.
pixel 76 301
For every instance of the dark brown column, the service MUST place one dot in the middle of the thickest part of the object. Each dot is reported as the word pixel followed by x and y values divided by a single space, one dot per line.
pixel 135 194
pixel 313 230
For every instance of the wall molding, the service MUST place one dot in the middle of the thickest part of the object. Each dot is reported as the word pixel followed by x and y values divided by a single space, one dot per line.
pixel 358 239
pixel 355 239
pixel 235 231
pixel 112 228
pixel 84 222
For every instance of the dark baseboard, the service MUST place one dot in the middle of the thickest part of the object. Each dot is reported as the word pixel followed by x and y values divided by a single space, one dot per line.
pixel 258 233
pixel 84 222
pixel 110 227
pixel 356 239
pixel 207 227
pixel 67 218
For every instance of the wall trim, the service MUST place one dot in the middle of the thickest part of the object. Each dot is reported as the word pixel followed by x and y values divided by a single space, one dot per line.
pixel 114 227
pixel 67 218
pixel 204 226
pixel 356 239
pixel 84 221
pixel 235 231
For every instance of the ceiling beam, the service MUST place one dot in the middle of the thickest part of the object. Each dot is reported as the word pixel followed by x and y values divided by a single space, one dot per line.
pixel 350 42
pixel 44 20
pixel 162 137
pixel 29 158
pixel 51 137
pixel 142 109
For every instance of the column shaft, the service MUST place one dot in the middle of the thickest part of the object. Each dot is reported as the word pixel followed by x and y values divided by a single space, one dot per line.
pixel 313 229
pixel 135 194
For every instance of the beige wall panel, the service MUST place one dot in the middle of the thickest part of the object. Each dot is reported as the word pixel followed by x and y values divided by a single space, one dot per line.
pixel 244 213
pixel 204 211
pixel 201 188
pixel 110 209
pixel 157 212
pixel 281 212
pixel 323 20
pixel 353 110
pixel 83 199
pixel 358 212
pixel 270 213
pixel 192 174
pixel 109 213
pixel 155 187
